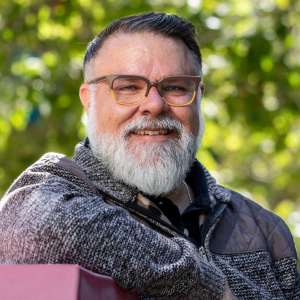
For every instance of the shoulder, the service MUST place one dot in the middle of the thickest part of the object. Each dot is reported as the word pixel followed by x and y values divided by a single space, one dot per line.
pixel 53 171
pixel 37 172
pixel 247 226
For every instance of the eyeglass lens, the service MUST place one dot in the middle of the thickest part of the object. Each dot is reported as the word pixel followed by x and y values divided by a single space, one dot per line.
pixel 175 90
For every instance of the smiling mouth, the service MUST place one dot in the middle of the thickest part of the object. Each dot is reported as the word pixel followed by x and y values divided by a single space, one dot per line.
pixel 153 132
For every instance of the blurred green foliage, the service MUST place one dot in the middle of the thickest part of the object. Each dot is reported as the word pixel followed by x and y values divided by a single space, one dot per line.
pixel 251 52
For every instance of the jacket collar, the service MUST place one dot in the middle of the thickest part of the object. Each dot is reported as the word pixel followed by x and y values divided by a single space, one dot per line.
pixel 204 186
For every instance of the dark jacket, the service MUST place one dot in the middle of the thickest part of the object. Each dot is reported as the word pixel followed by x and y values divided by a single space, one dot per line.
pixel 62 211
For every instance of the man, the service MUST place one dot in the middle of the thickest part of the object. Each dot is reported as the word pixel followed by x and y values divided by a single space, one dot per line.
pixel 133 203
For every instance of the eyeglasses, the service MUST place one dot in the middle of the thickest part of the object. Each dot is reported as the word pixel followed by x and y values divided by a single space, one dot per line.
pixel 132 89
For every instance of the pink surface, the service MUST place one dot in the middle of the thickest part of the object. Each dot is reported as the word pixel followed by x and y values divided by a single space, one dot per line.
pixel 57 282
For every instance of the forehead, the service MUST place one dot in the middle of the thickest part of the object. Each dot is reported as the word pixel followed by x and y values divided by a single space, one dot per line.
pixel 143 53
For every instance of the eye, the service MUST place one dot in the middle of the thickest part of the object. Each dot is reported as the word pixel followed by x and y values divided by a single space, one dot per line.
pixel 175 88
pixel 125 88
pixel 128 86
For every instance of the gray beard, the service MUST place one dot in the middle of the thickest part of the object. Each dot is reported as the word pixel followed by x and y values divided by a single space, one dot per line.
pixel 153 168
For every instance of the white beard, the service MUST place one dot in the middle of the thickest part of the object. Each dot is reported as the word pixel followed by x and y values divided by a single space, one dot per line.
pixel 153 168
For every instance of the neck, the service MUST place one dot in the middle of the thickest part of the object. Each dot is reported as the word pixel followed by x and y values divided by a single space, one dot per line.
pixel 182 196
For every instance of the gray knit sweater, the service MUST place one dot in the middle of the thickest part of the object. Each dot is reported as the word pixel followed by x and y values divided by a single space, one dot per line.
pixel 56 212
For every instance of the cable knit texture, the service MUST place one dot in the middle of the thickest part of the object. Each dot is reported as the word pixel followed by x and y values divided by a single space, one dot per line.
pixel 51 215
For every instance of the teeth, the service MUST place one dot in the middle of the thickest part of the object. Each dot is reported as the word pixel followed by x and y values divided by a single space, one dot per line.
pixel 152 132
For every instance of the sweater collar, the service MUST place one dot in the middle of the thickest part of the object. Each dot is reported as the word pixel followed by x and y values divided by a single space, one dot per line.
pixel 99 175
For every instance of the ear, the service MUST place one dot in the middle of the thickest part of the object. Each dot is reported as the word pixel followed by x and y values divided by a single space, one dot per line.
pixel 84 94
pixel 200 92
pixel 202 89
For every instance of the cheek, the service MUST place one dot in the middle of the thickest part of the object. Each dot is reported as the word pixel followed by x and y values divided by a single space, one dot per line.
pixel 196 121
pixel 189 117
pixel 111 116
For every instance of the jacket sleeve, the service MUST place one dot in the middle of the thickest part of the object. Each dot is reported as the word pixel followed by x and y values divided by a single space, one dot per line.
pixel 40 225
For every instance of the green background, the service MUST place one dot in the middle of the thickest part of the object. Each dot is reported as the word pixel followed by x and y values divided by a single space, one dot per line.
pixel 252 80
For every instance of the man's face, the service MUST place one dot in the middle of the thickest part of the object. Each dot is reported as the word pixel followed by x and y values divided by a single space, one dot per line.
pixel 149 55
pixel 154 57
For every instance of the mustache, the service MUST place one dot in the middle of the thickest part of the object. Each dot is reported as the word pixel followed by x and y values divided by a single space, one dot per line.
pixel 144 123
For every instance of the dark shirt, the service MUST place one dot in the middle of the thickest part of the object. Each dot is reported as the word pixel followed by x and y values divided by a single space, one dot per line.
pixel 189 219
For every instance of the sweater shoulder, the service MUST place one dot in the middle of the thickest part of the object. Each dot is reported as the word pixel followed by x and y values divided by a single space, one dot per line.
pixel 37 172
pixel 49 171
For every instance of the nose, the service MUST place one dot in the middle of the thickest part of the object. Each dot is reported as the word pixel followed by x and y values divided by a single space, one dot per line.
pixel 154 104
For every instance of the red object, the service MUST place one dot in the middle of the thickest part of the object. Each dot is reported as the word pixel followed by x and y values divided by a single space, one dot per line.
pixel 57 282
